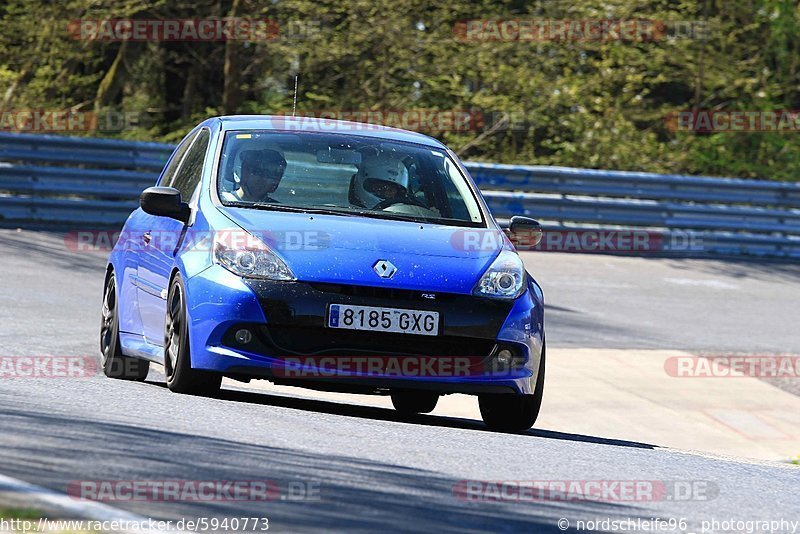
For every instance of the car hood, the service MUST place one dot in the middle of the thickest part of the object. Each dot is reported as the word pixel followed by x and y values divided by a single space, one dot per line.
pixel 342 249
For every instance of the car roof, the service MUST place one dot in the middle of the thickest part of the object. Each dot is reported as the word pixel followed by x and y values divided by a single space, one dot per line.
pixel 322 125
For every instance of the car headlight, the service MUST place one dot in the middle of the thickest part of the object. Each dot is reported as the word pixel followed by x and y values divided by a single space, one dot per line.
pixel 246 255
pixel 504 279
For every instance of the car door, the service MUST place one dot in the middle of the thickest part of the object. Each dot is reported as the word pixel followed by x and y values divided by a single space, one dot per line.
pixel 162 241
pixel 137 236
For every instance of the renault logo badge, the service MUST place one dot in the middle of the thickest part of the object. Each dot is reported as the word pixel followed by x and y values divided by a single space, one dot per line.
pixel 384 268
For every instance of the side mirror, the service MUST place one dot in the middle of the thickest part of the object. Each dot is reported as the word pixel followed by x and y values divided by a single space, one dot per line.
pixel 525 232
pixel 164 202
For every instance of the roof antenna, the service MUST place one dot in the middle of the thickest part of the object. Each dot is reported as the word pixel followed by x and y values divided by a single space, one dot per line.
pixel 294 103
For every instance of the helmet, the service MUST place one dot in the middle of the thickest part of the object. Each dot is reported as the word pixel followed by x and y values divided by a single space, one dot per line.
pixel 376 168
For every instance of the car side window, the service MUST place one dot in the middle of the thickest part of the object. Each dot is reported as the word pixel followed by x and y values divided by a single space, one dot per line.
pixel 191 170
pixel 169 173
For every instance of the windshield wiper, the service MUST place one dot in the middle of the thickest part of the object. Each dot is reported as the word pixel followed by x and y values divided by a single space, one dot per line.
pixel 330 211
pixel 293 209
pixel 389 215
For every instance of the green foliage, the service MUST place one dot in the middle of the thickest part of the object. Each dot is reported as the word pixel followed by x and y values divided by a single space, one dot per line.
pixel 579 103
pixel 19 513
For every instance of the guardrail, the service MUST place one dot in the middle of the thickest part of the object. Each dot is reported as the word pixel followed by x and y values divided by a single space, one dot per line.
pixel 91 182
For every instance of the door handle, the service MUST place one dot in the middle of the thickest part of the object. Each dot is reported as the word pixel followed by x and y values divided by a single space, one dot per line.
pixel 146 238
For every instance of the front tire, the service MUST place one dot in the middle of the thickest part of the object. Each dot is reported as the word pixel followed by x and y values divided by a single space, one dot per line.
pixel 114 363
pixel 513 413
pixel 410 402
pixel 181 378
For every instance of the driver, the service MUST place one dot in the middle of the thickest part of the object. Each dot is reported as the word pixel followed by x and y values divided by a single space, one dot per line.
pixel 262 171
pixel 387 179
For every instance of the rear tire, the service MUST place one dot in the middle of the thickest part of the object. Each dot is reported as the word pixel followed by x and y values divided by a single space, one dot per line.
pixel 513 413
pixel 181 378
pixel 409 403
pixel 114 363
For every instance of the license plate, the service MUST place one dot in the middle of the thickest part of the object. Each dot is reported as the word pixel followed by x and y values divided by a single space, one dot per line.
pixel 375 319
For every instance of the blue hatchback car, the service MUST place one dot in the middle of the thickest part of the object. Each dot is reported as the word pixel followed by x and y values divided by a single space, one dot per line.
pixel 329 255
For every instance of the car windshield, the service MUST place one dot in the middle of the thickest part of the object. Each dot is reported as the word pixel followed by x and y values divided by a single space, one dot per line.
pixel 351 175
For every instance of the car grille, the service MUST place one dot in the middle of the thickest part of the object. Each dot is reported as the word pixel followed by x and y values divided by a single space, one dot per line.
pixel 290 340
pixel 296 319
pixel 377 292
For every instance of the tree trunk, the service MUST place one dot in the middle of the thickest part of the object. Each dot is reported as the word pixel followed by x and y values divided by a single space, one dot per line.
pixel 231 92
pixel 111 85
pixel 26 72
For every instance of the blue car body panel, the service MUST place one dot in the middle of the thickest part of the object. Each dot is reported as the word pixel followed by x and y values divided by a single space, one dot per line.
pixel 344 249
pixel 427 257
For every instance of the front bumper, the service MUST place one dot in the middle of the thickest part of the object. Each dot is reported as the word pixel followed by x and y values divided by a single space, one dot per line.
pixel 290 343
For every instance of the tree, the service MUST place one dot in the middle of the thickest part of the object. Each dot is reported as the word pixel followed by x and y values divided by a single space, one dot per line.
pixel 583 103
